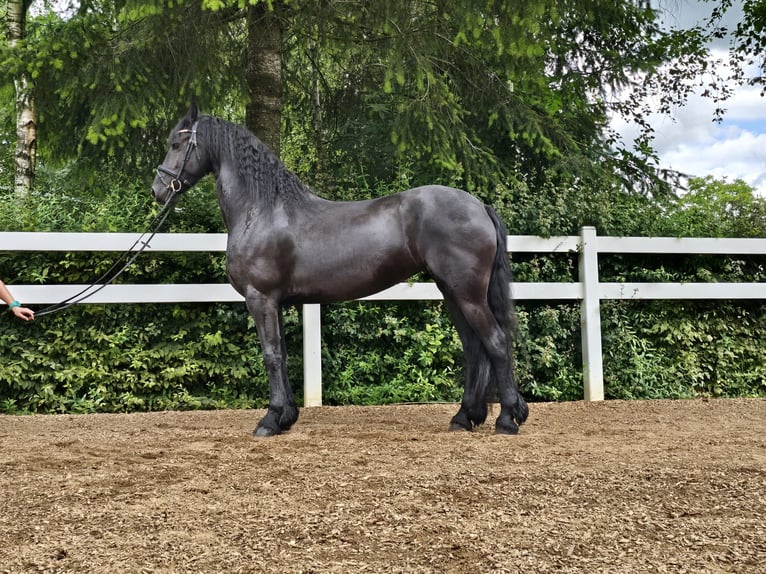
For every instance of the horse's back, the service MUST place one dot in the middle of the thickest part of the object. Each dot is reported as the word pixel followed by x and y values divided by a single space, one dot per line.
pixel 442 197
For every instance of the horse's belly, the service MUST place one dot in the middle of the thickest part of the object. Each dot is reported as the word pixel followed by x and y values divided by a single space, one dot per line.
pixel 352 279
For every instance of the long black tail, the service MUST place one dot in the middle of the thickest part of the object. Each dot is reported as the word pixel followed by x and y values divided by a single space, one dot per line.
pixel 499 295
pixel 514 409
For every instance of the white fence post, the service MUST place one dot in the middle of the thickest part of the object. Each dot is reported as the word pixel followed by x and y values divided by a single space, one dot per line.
pixel 312 356
pixel 590 316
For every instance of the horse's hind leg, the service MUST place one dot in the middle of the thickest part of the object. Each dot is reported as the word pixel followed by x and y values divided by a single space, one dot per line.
pixel 282 411
pixel 495 357
pixel 462 245
pixel 476 367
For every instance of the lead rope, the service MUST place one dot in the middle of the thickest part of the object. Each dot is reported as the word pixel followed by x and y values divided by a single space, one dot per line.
pixel 109 276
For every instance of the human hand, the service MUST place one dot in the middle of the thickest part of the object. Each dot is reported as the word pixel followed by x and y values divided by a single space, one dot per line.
pixel 24 313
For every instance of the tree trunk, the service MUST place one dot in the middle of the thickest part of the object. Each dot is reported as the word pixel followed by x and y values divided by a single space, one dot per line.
pixel 264 74
pixel 26 116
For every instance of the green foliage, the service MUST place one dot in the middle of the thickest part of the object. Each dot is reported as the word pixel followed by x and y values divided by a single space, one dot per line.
pixel 481 94
pixel 112 78
pixel 749 44
pixel 390 353
pixel 715 208
pixel 112 358
pixel 634 367
pixel 691 349
pixel 460 92
pixel 548 362
pixel 510 100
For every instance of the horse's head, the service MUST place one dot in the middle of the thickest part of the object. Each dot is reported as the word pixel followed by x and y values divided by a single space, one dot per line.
pixel 182 166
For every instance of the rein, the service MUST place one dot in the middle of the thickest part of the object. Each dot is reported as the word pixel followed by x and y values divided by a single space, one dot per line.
pixel 111 274
pixel 175 186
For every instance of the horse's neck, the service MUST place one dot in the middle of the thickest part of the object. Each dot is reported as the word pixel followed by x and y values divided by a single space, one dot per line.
pixel 228 184
pixel 278 195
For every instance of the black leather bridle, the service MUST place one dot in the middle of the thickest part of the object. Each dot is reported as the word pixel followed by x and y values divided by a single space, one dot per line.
pixel 177 181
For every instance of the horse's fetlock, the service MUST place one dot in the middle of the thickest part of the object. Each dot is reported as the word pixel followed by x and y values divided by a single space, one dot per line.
pixel 521 411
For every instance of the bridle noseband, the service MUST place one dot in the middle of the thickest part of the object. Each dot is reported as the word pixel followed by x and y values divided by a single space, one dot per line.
pixel 177 183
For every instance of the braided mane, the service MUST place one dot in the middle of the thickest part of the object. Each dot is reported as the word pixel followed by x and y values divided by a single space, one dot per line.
pixel 266 179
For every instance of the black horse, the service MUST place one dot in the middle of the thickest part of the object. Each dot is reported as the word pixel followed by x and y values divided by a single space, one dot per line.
pixel 287 245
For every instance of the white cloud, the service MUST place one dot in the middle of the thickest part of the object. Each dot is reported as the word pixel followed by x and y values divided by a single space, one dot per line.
pixel 733 154
pixel 689 141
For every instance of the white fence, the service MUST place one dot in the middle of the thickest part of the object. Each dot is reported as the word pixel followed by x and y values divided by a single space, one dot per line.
pixel 589 290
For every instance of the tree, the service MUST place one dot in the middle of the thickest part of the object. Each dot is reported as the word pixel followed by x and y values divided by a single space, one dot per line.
pixel 485 95
pixel 113 77
pixel 264 74
pixel 26 115
pixel 718 208
pixel 749 42
pixel 481 93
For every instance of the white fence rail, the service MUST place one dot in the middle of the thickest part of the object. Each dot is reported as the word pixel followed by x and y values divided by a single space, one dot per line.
pixel 589 290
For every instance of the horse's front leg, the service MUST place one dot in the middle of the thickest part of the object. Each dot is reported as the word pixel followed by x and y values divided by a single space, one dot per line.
pixel 283 411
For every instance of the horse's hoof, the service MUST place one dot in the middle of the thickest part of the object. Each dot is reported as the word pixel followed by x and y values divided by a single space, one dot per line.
pixel 460 422
pixel 262 432
pixel 507 429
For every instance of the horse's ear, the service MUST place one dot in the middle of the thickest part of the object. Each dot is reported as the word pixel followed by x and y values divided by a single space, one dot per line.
pixel 193 110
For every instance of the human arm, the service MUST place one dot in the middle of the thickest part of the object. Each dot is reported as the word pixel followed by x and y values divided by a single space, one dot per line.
pixel 16 308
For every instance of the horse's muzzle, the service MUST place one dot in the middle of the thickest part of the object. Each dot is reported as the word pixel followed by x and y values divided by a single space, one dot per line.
pixel 162 192
pixel 164 189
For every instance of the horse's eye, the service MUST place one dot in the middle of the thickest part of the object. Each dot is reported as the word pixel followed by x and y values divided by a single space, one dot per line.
pixel 174 146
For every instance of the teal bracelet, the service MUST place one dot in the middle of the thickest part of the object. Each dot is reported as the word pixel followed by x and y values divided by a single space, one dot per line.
pixel 14 304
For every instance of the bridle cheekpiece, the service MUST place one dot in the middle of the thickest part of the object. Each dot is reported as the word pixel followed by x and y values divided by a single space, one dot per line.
pixel 177 182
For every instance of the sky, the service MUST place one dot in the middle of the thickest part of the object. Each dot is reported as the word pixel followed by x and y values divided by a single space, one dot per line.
pixel 690 142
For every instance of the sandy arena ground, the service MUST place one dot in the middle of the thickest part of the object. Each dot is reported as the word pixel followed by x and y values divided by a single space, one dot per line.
pixel 613 487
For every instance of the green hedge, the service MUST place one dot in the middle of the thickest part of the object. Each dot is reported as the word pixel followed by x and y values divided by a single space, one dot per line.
pixel 119 358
